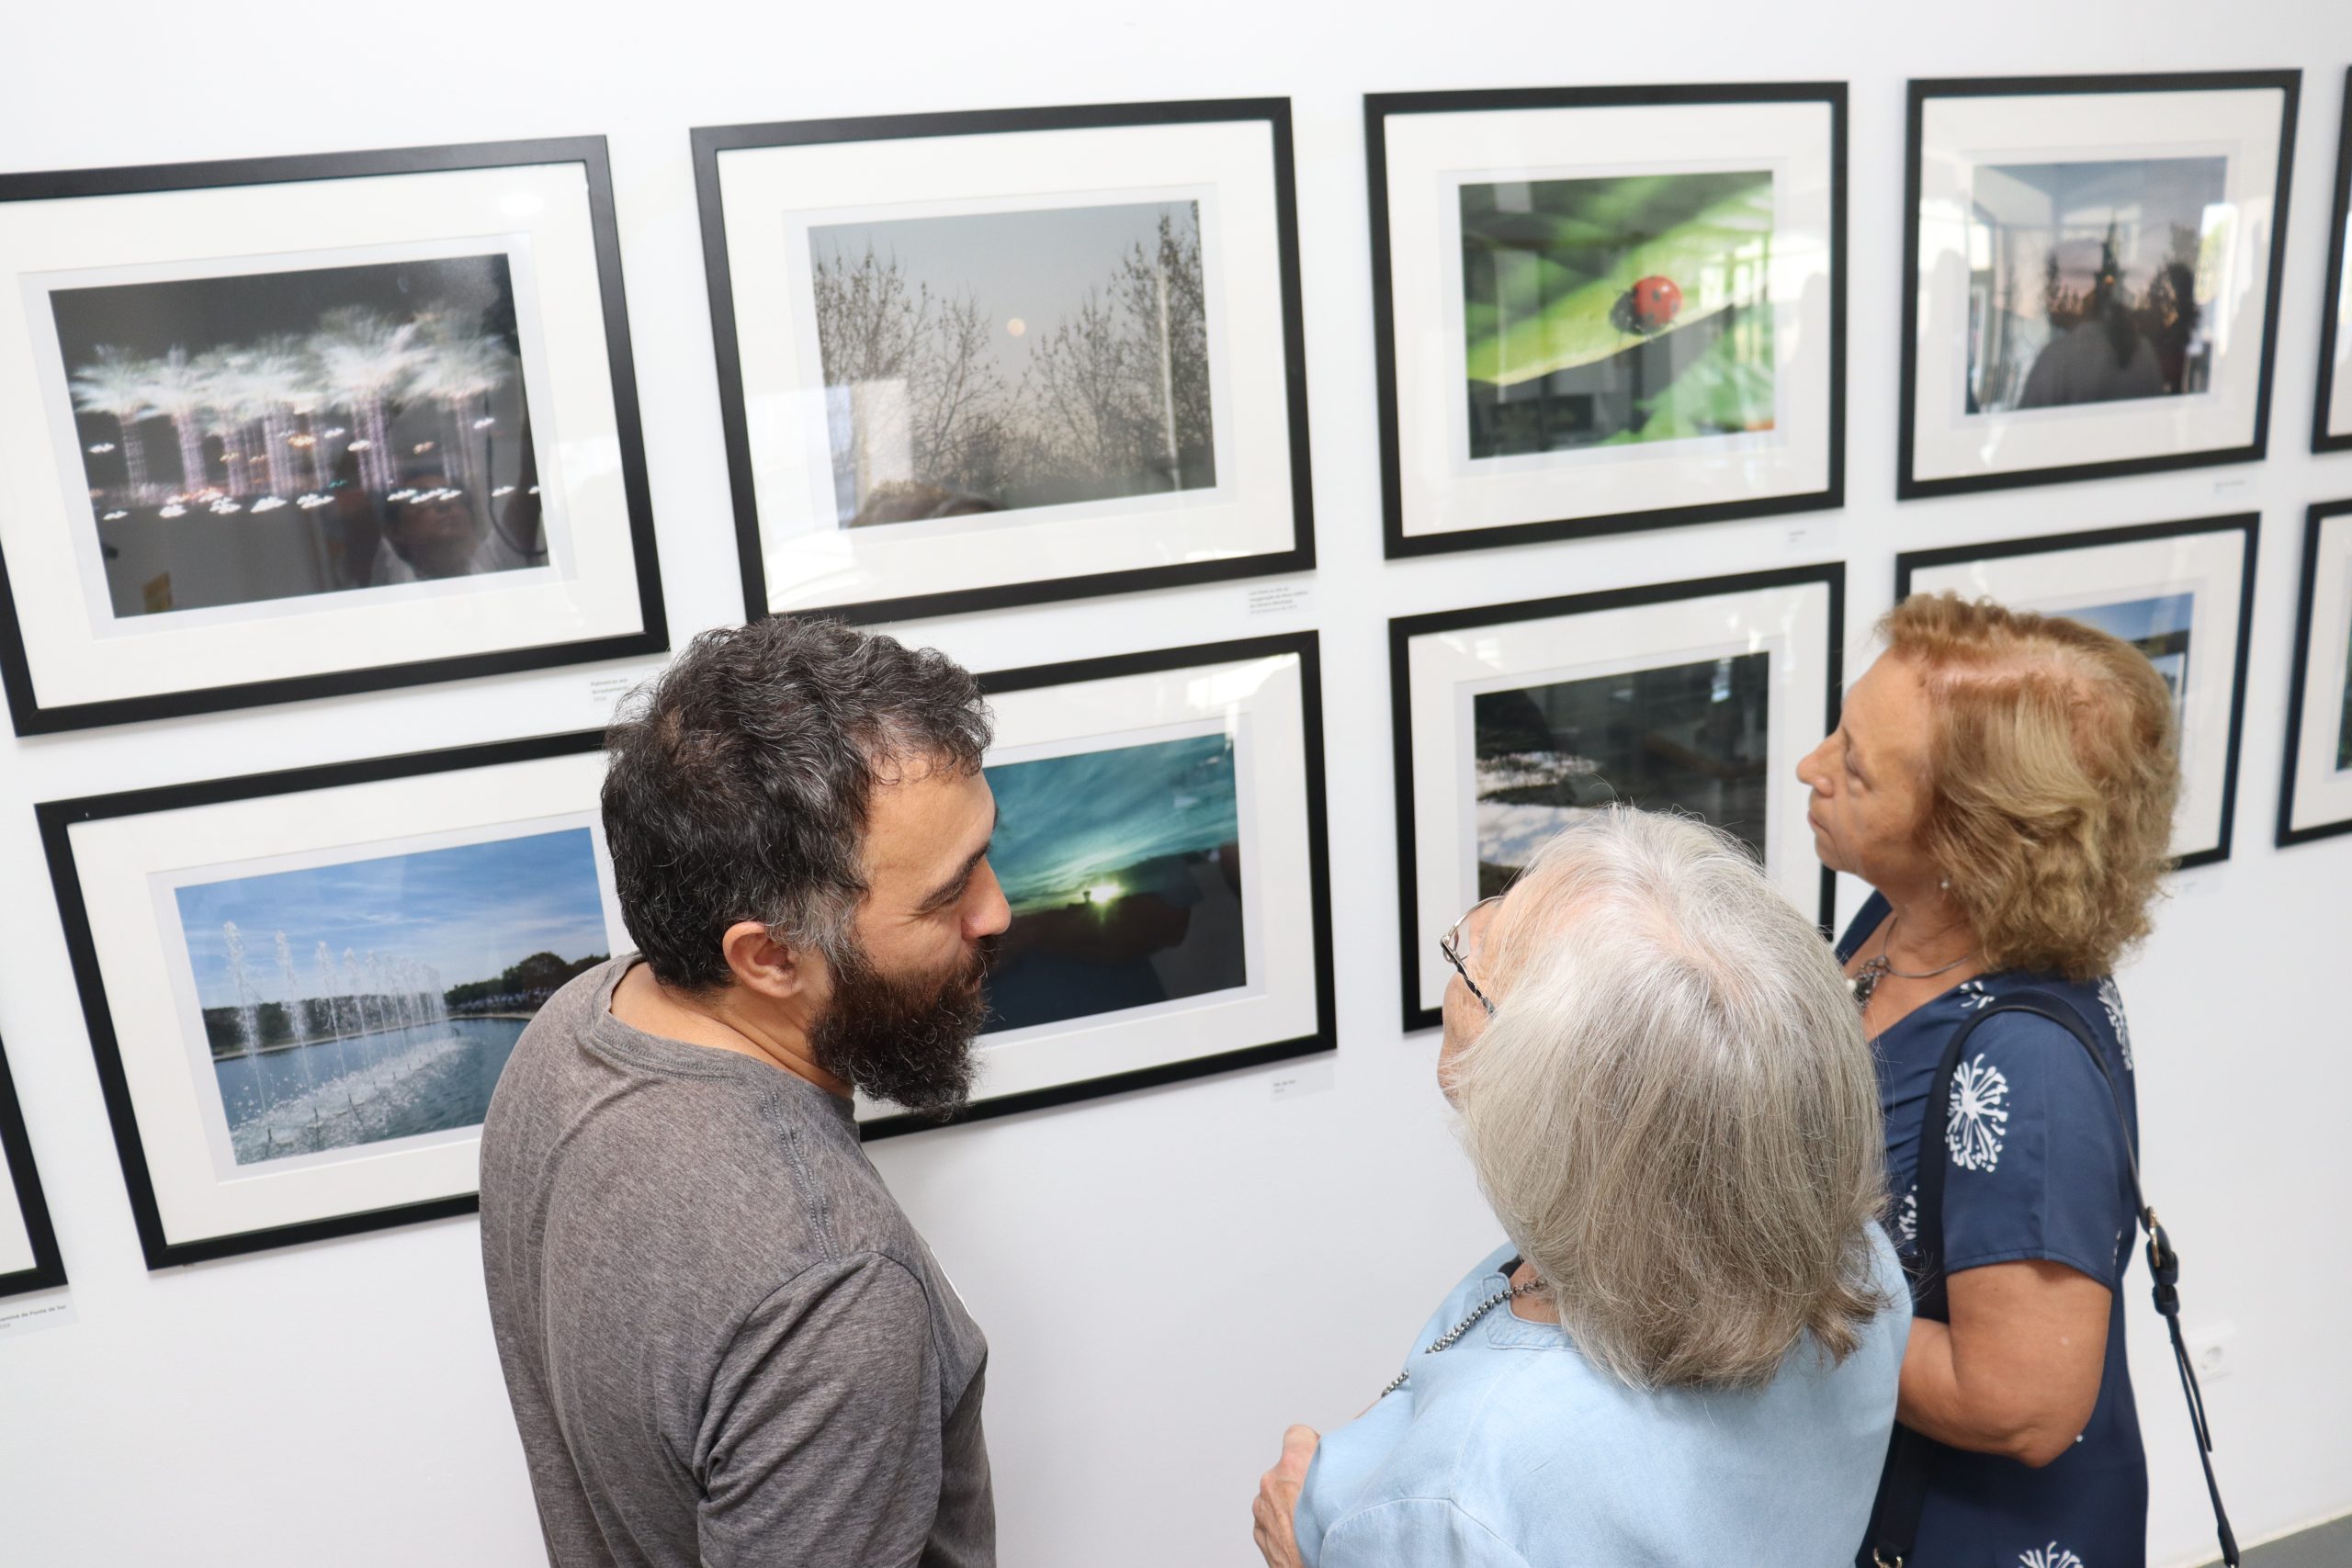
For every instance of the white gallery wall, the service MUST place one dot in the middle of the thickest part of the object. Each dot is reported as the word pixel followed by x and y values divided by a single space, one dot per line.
pixel 1167 1278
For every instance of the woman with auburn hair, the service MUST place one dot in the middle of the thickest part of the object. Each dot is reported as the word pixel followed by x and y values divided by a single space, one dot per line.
pixel 2005 783
pixel 1687 1351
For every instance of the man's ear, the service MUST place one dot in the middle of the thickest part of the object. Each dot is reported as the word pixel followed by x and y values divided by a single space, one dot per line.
pixel 766 966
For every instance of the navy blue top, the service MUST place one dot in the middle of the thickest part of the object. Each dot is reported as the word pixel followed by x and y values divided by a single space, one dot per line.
pixel 2037 1169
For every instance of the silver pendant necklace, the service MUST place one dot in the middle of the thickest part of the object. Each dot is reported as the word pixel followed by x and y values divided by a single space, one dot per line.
pixel 1459 1329
pixel 1873 970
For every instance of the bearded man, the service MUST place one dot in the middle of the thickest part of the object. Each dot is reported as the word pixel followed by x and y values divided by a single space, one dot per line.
pixel 724 1341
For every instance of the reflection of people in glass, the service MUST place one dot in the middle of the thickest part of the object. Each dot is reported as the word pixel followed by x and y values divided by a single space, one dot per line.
pixel 2104 357
pixel 911 501
pixel 432 528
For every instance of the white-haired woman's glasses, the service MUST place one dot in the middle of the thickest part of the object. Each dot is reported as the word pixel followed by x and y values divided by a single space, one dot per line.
pixel 1451 945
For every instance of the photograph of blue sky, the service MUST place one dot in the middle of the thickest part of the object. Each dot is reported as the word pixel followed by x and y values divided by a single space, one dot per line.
pixel 470 911
pixel 2137 620
pixel 2158 627
pixel 1029 269
pixel 1070 823
pixel 991 362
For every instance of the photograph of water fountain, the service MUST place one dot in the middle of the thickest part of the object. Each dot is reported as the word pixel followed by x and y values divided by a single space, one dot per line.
pixel 991 362
pixel 379 998
pixel 1124 870
pixel 1687 737
pixel 273 434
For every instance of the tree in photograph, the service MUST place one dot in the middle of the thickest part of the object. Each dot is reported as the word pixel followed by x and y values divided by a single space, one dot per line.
pixel 1121 386
pixel 911 364
pixel 366 357
pixel 175 390
pixel 1113 399
pixel 458 368
pixel 961 429
pixel 1090 380
pixel 1162 292
pixel 114 383
pixel 231 404
pixel 871 327
pixel 278 373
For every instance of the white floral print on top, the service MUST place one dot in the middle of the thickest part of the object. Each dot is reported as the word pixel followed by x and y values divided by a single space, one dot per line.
pixel 2112 1000
pixel 2051 1556
pixel 1907 1218
pixel 1980 1115
pixel 1973 996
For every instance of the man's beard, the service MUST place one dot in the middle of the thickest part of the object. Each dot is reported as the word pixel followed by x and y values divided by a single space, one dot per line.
pixel 904 1040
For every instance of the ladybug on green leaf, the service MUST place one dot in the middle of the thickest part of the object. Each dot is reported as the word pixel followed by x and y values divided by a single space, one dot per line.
pixel 1650 306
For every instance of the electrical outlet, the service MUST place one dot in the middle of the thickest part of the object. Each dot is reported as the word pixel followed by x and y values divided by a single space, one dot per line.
pixel 2208 1350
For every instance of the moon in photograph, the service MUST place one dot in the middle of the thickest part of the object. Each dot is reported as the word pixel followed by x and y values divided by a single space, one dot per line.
pixel 1016 326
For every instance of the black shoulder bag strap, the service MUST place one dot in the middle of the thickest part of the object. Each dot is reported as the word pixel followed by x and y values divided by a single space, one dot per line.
pixel 1902 1487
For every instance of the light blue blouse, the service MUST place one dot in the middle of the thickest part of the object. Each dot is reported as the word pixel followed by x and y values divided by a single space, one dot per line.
pixel 1509 1449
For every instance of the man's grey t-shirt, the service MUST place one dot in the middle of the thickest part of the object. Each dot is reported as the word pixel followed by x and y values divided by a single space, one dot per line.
pixel 724 1341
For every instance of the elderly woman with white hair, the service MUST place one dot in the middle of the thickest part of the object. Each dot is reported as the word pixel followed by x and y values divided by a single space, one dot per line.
pixel 1687 1351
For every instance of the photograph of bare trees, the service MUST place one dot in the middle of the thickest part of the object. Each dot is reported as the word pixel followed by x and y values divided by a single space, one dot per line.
pixel 1003 361
pixel 267 435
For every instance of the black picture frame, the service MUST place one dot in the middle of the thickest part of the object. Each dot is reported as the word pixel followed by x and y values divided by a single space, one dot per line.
pixel 2331 327
pixel 1911 562
pixel 56 817
pixel 710 141
pixel 47 1270
pixel 32 716
pixel 1907 487
pixel 1306 646
pixel 1377 109
pixel 2299 681
pixel 1403 629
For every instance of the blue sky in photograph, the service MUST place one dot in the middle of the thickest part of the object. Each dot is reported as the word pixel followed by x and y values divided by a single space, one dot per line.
pixel 469 910
pixel 2134 620
pixel 1033 268
pixel 1064 823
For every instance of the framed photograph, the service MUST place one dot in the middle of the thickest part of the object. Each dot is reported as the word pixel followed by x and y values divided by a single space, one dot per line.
pixel 1600 309
pixel 2181 593
pixel 2331 422
pixel 29 1257
pixel 2315 798
pixel 1513 719
pixel 298 427
pixel 302 987
pixel 1160 839
pixel 2091 275
pixel 969 361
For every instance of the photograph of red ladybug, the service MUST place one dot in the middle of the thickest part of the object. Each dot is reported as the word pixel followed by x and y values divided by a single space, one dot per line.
pixel 1649 305
pixel 1610 311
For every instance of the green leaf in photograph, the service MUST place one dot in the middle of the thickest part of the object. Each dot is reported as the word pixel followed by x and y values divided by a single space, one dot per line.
pixel 1727 388
pixel 1542 285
